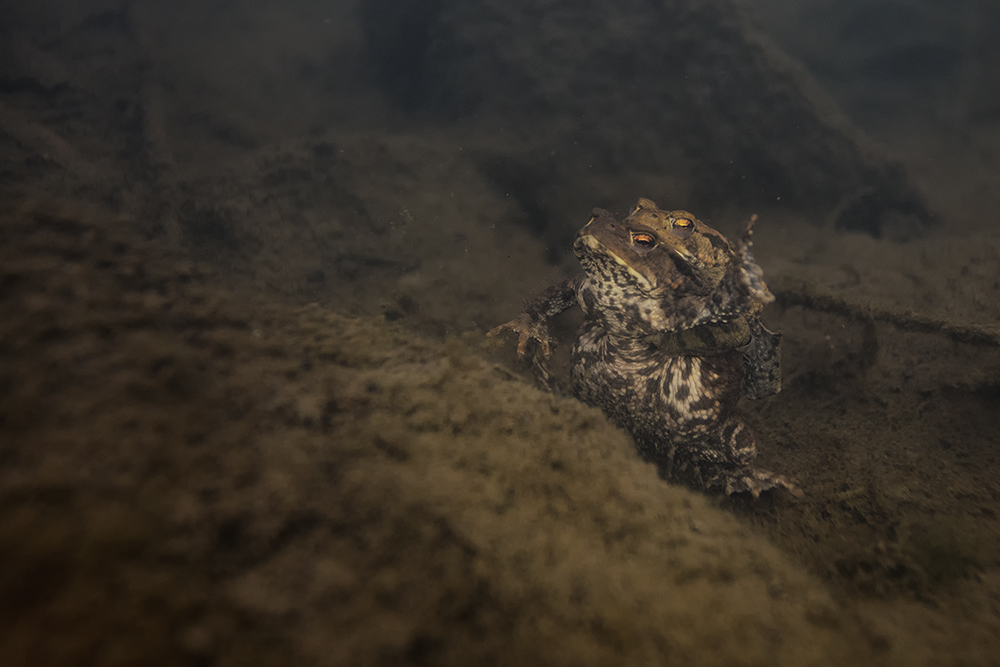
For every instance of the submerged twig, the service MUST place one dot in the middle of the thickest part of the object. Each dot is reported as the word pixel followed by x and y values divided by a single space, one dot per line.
pixel 803 293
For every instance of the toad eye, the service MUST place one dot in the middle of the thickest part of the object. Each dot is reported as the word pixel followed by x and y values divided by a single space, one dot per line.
pixel 643 239
pixel 682 227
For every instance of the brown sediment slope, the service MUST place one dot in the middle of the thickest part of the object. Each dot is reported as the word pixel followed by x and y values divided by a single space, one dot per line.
pixel 189 474
pixel 187 477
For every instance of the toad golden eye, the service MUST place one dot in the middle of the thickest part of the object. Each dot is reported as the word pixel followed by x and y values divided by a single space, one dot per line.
pixel 643 239
pixel 683 224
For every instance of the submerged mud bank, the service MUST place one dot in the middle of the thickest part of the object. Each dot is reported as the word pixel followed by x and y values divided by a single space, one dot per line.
pixel 186 476
pixel 189 474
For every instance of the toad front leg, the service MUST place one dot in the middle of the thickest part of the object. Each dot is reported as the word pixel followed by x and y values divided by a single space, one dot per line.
pixel 532 324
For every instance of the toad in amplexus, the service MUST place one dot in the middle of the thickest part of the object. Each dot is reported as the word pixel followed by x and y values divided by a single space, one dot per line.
pixel 671 339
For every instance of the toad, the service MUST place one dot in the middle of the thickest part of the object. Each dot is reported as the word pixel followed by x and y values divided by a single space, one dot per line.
pixel 671 339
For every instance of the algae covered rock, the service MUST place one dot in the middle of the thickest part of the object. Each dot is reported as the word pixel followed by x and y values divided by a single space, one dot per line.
pixel 680 97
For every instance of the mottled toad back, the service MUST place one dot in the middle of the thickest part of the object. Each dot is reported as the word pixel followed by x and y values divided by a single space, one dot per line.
pixel 670 341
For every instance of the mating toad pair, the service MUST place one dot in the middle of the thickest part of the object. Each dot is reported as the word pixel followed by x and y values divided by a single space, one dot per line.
pixel 670 341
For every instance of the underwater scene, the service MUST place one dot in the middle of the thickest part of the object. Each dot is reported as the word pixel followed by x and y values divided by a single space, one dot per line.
pixel 499 332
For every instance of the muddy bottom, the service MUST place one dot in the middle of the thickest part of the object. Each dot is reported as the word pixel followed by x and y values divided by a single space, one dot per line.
pixel 192 473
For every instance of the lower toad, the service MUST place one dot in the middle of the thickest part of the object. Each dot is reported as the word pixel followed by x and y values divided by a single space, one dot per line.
pixel 671 340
